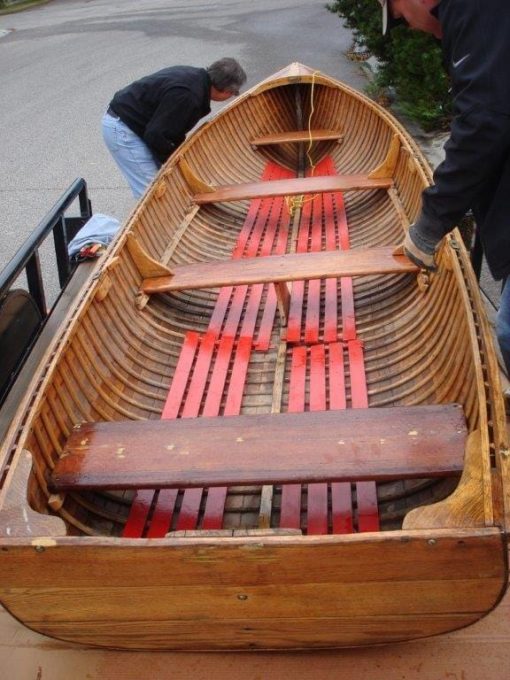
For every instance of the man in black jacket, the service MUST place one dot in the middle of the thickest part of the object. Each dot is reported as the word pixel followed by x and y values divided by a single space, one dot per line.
pixel 475 174
pixel 147 120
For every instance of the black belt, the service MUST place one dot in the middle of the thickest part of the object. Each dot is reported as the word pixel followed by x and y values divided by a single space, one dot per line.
pixel 112 113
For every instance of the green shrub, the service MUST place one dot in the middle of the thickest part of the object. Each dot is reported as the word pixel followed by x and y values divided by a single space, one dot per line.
pixel 410 62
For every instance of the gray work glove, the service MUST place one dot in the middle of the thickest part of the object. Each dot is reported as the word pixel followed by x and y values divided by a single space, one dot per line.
pixel 419 251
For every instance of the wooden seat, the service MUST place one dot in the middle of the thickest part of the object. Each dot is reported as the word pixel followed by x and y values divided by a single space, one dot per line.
pixel 357 444
pixel 281 268
pixel 292 187
pixel 297 136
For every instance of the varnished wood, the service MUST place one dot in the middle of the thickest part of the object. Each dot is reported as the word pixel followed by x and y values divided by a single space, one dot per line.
pixel 147 266
pixel 283 297
pixel 461 508
pixel 292 187
pixel 387 167
pixel 40 355
pixel 188 587
pixel 194 182
pixel 120 355
pixel 350 445
pixel 297 633
pixel 16 517
pixel 295 267
pixel 296 136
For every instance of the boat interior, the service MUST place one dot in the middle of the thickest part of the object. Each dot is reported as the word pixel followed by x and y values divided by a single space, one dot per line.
pixel 295 167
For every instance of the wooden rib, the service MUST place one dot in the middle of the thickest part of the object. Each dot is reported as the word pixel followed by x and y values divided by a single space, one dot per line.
pixel 292 187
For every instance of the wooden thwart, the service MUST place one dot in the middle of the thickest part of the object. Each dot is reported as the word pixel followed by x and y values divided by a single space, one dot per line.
pixel 352 445
pixel 275 268
pixel 292 187
pixel 297 136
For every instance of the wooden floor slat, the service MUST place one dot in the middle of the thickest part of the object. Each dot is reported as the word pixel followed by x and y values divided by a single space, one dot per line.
pixel 331 208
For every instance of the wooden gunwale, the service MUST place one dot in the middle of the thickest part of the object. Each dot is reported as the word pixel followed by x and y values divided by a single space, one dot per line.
pixel 496 418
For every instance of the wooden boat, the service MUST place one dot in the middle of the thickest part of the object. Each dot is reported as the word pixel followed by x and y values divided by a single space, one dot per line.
pixel 260 426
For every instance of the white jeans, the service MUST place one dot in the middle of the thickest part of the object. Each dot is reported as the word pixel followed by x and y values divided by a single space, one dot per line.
pixel 132 155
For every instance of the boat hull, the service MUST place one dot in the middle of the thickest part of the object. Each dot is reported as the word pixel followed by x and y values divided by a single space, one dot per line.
pixel 342 562
pixel 255 593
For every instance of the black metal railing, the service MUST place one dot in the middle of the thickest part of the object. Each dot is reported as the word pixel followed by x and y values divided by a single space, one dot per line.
pixel 22 317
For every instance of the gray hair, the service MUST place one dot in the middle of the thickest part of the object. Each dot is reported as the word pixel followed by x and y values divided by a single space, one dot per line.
pixel 227 75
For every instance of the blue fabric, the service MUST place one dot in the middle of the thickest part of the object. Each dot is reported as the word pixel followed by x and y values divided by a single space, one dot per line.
pixel 132 155
pixel 99 229
pixel 503 324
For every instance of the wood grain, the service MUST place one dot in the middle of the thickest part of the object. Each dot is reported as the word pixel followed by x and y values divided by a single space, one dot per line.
pixel 255 593
pixel 275 448
pixel 296 136
pixel 277 268
pixel 292 187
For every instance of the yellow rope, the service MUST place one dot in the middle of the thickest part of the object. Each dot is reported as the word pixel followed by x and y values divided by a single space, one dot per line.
pixel 295 202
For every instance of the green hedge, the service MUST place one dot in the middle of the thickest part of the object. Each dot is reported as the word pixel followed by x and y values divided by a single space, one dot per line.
pixel 410 62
